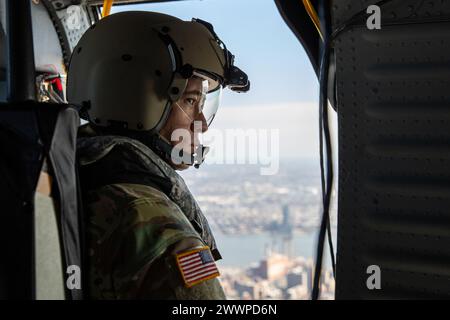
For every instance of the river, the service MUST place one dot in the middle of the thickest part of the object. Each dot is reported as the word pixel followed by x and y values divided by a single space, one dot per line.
pixel 243 250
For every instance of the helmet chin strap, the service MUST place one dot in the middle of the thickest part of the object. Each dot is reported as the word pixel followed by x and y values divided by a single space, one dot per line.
pixel 165 148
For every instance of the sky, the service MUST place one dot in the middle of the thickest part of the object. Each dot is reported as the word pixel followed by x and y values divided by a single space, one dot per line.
pixel 284 87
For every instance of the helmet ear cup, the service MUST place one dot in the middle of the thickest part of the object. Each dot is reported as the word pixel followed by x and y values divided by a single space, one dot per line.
pixel 121 77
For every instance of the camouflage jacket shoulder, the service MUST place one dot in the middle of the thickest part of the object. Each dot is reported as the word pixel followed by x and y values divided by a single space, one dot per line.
pixel 130 226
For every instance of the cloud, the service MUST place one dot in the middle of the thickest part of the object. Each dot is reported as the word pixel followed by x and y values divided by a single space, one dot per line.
pixel 297 124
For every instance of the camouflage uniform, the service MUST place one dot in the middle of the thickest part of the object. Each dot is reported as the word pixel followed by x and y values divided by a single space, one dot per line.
pixel 135 229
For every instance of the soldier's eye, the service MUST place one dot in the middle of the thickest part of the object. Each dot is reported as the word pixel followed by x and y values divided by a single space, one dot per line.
pixel 190 101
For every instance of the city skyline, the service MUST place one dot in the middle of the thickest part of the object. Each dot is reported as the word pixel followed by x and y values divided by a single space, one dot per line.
pixel 253 216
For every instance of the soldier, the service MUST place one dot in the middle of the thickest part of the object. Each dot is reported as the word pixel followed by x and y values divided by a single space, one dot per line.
pixel 149 84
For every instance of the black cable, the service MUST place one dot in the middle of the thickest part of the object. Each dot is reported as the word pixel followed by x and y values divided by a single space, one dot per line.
pixel 328 226
pixel 324 131
pixel 330 245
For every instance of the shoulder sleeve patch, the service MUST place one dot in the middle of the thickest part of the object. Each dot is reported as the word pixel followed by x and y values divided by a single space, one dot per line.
pixel 196 266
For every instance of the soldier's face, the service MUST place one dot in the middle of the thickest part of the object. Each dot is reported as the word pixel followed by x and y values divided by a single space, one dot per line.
pixel 186 115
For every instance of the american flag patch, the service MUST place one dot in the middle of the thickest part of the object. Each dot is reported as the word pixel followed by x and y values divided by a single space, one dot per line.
pixel 196 266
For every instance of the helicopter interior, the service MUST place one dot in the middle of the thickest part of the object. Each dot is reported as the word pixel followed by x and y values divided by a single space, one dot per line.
pixel 388 86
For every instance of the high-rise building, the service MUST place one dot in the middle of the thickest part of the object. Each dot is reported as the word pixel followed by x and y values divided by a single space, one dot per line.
pixel 273 267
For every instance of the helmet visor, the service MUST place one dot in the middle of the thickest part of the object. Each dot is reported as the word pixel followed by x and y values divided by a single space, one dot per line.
pixel 211 105
pixel 211 95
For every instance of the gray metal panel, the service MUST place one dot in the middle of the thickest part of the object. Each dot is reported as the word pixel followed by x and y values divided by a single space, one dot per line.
pixel 47 50
pixel 75 32
pixel 393 91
